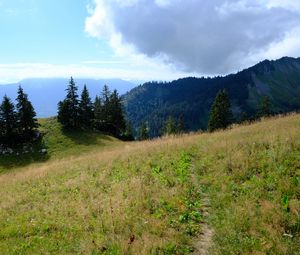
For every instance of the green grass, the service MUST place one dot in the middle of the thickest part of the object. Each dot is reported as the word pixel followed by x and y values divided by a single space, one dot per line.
pixel 59 144
pixel 62 143
pixel 148 197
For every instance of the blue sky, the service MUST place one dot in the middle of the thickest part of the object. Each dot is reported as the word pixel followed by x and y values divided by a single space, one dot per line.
pixel 143 39
pixel 46 38
pixel 47 31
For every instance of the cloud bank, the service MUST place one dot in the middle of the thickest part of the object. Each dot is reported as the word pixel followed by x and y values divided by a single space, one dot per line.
pixel 206 37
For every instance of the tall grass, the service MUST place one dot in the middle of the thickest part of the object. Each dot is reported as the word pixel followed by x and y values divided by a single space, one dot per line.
pixel 148 197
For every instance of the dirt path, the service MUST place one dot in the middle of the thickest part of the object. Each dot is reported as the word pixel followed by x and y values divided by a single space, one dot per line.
pixel 204 241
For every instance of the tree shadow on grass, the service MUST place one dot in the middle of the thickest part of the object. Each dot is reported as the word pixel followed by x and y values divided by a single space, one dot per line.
pixel 86 137
pixel 21 157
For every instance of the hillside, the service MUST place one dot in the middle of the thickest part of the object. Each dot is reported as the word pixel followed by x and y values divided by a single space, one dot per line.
pixel 45 93
pixel 59 144
pixel 192 97
pixel 157 197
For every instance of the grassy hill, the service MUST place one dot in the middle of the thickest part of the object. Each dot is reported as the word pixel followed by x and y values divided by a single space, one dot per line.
pixel 157 197
pixel 59 144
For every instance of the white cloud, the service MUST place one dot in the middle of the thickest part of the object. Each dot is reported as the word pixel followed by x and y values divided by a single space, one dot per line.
pixel 207 37
pixel 11 73
pixel 287 4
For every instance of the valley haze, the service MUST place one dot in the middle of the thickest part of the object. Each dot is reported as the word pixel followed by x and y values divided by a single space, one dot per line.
pixel 45 93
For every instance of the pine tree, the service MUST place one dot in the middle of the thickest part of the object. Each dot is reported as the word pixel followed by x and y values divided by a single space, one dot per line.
pixel 98 114
pixel 106 109
pixel 105 94
pixel 243 117
pixel 265 107
pixel 68 109
pixel 170 126
pixel 143 132
pixel 26 117
pixel 129 132
pixel 220 114
pixel 116 118
pixel 63 113
pixel 181 125
pixel 86 108
pixel 2 123
pixel 8 122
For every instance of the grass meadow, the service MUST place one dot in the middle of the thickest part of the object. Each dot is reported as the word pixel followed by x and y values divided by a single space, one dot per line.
pixel 103 196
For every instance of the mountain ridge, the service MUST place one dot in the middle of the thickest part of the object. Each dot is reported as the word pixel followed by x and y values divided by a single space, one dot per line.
pixel 192 97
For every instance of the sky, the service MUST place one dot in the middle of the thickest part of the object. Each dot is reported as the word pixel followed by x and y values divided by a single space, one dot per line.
pixel 143 39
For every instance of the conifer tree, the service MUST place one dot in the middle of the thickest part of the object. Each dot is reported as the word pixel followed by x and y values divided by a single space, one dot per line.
pixel 86 108
pixel 105 93
pixel 98 113
pixel 243 117
pixel 68 109
pixel 129 132
pixel 181 125
pixel 143 132
pixel 106 109
pixel 265 107
pixel 63 113
pixel 116 117
pixel 8 122
pixel 170 126
pixel 220 114
pixel 26 117
pixel 1 128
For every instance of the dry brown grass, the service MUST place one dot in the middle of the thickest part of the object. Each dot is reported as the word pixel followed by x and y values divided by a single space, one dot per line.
pixel 113 202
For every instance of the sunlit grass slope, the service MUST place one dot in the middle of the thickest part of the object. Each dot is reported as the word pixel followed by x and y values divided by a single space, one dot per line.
pixel 59 144
pixel 148 197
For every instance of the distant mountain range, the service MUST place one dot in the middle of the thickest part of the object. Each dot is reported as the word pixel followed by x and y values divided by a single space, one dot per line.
pixel 154 102
pixel 192 98
pixel 47 92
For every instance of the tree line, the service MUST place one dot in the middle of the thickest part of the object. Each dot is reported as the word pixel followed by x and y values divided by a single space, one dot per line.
pixel 221 115
pixel 104 114
pixel 18 123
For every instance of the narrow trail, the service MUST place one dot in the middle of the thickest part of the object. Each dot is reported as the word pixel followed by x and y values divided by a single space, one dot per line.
pixel 204 241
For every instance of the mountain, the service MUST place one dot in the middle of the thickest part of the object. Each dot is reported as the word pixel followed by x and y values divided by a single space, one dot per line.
pixel 45 93
pixel 192 98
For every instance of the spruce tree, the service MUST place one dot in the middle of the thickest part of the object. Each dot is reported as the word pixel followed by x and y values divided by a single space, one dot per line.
pixel 243 117
pixel 220 114
pixel 105 93
pixel 129 132
pixel 86 108
pixel 26 117
pixel 68 109
pixel 106 109
pixel 98 114
pixel 116 117
pixel 143 132
pixel 8 122
pixel 170 126
pixel 1 129
pixel 264 109
pixel 181 125
pixel 63 113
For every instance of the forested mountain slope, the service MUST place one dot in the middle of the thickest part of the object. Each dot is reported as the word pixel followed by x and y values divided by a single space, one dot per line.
pixel 191 97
